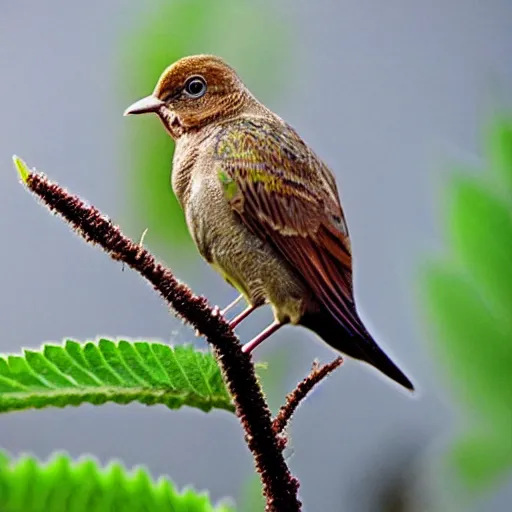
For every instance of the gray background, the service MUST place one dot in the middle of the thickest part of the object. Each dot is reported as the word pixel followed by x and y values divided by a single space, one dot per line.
pixel 389 94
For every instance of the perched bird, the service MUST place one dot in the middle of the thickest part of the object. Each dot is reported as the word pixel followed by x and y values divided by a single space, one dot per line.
pixel 261 207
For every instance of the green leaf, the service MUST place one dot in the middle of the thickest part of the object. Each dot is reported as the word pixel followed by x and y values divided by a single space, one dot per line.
pixel 122 372
pixel 21 167
pixel 27 485
pixel 469 303
pixel 483 457
pixel 481 232
pixel 162 35
pixel 471 342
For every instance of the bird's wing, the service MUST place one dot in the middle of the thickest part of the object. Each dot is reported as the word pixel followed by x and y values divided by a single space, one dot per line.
pixel 285 195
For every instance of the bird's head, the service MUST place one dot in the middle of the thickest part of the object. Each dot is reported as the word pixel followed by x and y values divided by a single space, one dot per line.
pixel 193 92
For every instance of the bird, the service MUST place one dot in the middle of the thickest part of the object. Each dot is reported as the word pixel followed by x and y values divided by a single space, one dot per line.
pixel 261 207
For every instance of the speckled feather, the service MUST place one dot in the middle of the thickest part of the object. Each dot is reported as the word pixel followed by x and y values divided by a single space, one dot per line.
pixel 286 195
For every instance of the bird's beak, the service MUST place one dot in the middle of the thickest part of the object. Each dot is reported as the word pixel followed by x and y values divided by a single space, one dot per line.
pixel 145 105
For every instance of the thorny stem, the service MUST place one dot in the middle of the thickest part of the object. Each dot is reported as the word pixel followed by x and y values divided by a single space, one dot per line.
pixel 279 486
pixel 294 398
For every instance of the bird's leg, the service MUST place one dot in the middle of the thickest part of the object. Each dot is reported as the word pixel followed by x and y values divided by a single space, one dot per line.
pixel 242 316
pixel 262 336
pixel 231 305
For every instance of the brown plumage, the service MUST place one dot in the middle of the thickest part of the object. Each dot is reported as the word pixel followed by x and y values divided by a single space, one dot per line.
pixel 262 208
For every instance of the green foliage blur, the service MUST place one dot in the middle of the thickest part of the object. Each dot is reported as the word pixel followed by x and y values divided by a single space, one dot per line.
pixel 248 34
pixel 468 296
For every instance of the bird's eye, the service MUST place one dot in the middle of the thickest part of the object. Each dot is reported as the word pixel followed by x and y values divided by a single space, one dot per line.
pixel 195 87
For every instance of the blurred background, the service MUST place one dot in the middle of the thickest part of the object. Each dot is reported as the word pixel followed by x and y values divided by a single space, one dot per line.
pixel 393 95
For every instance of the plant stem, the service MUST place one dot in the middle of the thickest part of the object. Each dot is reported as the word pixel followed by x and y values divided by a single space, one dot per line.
pixel 279 486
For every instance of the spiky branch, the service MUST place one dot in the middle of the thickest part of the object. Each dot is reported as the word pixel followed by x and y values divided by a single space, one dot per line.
pixel 300 392
pixel 264 437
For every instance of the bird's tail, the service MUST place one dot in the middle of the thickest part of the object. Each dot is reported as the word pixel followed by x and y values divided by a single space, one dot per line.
pixel 361 346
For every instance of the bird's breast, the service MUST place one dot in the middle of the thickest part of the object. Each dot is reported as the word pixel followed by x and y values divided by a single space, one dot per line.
pixel 209 217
